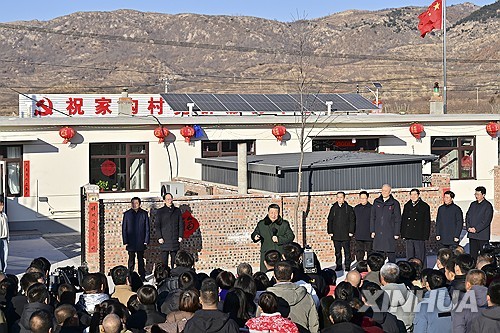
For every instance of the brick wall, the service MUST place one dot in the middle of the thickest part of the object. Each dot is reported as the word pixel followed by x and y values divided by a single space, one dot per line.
pixel 226 222
pixel 496 182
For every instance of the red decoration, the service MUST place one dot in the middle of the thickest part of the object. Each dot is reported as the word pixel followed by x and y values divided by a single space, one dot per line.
pixel 93 210
pixel 416 130
pixel 187 132
pixel 279 131
pixel 431 19
pixel 190 224
pixel 108 168
pixel 161 133
pixel 67 133
pixel 26 174
pixel 466 162
pixel 492 128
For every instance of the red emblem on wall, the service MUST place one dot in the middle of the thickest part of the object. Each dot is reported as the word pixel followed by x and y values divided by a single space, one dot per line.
pixel 43 109
pixel 108 168
pixel 190 224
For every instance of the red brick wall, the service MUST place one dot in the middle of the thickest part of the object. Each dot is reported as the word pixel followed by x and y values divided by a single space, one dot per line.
pixel 496 183
pixel 226 222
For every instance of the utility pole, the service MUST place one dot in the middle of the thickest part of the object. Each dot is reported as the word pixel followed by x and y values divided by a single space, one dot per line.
pixel 166 83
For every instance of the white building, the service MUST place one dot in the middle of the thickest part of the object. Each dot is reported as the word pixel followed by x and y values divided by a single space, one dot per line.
pixel 42 176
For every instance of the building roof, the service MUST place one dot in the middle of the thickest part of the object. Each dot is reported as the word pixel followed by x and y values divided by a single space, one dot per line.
pixel 275 163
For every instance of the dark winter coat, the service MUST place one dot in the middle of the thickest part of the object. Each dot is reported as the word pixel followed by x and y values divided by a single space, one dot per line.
pixel 385 222
pixel 479 216
pixel 463 316
pixel 487 321
pixel 135 229
pixel 343 328
pixel 211 321
pixel 363 213
pixel 145 316
pixel 416 221
pixel 266 229
pixel 341 222
pixel 170 227
pixel 29 309
pixel 449 223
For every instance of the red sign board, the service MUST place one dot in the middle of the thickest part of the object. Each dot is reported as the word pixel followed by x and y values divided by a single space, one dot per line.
pixel 190 224
pixel 93 226
pixel 26 182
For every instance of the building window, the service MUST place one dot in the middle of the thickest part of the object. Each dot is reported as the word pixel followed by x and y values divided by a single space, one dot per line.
pixel 225 148
pixel 457 156
pixel 13 158
pixel 345 144
pixel 119 166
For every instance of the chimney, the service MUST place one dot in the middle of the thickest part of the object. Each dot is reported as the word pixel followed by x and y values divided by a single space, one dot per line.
pixel 125 104
pixel 329 105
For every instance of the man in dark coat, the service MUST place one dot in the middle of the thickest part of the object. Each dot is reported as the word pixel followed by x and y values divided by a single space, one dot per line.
pixel 489 318
pixel 449 222
pixel 341 226
pixel 416 226
pixel 385 223
pixel 272 232
pixel 170 229
pixel 478 221
pixel 135 234
pixel 362 211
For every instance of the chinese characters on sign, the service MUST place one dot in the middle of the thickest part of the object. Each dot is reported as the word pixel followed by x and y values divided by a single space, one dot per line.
pixel 93 225
pixel 26 183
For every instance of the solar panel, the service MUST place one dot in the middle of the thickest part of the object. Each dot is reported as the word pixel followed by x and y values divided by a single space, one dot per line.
pixel 377 85
pixel 178 102
pixel 339 104
pixel 359 102
pixel 311 102
pixel 260 102
pixel 285 102
pixel 234 102
pixel 207 102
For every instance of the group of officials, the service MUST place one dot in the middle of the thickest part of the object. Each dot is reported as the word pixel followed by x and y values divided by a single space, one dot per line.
pixel 377 226
pixel 374 227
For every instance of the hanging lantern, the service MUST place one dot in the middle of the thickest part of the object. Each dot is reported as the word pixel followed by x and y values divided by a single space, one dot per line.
pixel 187 132
pixel 108 168
pixel 279 131
pixel 416 130
pixel 67 133
pixel 161 133
pixel 466 162
pixel 492 128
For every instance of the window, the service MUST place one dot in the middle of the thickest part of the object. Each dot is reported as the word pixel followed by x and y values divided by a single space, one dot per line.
pixel 344 144
pixel 13 157
pixel 119 166
pixel 457 156
pixel 225 148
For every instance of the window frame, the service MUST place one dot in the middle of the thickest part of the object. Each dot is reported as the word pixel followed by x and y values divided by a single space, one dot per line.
pixel 220 153
pixel 20 160
pixel 460 149
pixel 128 158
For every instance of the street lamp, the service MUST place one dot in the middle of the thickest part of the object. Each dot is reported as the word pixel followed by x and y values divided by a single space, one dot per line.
pixel 377 86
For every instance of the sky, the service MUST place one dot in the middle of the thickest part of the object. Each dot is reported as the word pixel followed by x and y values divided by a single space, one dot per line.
pixel 282 10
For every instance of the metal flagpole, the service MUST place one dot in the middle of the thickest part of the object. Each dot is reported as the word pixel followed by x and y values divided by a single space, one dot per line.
pixel 443 24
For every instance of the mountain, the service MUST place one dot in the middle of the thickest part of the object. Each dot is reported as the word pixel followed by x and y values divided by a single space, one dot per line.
pixel 88 52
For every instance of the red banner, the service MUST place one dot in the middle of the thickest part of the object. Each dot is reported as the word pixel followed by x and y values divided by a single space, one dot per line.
pixel 190 224
pixel 93 221
pixel 26 182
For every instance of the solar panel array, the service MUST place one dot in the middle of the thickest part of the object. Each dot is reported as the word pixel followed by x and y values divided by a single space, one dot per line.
pixel 267 103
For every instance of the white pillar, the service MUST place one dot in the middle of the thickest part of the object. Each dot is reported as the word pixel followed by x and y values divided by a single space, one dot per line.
pixel 242 168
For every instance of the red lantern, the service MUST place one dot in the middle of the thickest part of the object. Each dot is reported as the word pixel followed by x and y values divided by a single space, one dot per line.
pixel 67 133
pixel 416 130
pixel 279 131
pixel 161 133
pixel 187 132
pixel 466 162
pixel 108 168
pixel 492 128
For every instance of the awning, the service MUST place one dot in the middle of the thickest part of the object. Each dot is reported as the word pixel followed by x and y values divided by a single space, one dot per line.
pixel 18 138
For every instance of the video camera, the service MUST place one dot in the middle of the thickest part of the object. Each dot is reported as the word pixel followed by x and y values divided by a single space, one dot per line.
pixel 309 261
pixel 69 275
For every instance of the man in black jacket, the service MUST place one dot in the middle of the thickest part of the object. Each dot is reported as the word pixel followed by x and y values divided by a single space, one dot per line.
pixel 209 319
pixel 489 318
pixel 147 314
pixel 341 226
pixel 135 234
pixel 362 212
pixel 416 226
pixel 478 221
pixel 170 229
pixel 385 223
pixel 449 222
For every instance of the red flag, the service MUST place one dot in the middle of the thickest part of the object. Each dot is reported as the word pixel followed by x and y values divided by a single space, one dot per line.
pixel 431 19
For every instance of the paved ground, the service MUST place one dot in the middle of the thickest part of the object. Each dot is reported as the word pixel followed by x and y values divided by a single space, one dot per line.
pixel 64 249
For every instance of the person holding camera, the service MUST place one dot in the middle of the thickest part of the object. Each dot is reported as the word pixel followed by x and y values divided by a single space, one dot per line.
pixel 341 227
pixel 272 232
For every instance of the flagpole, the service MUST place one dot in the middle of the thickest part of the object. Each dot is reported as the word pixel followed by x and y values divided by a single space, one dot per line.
pixel 443 20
